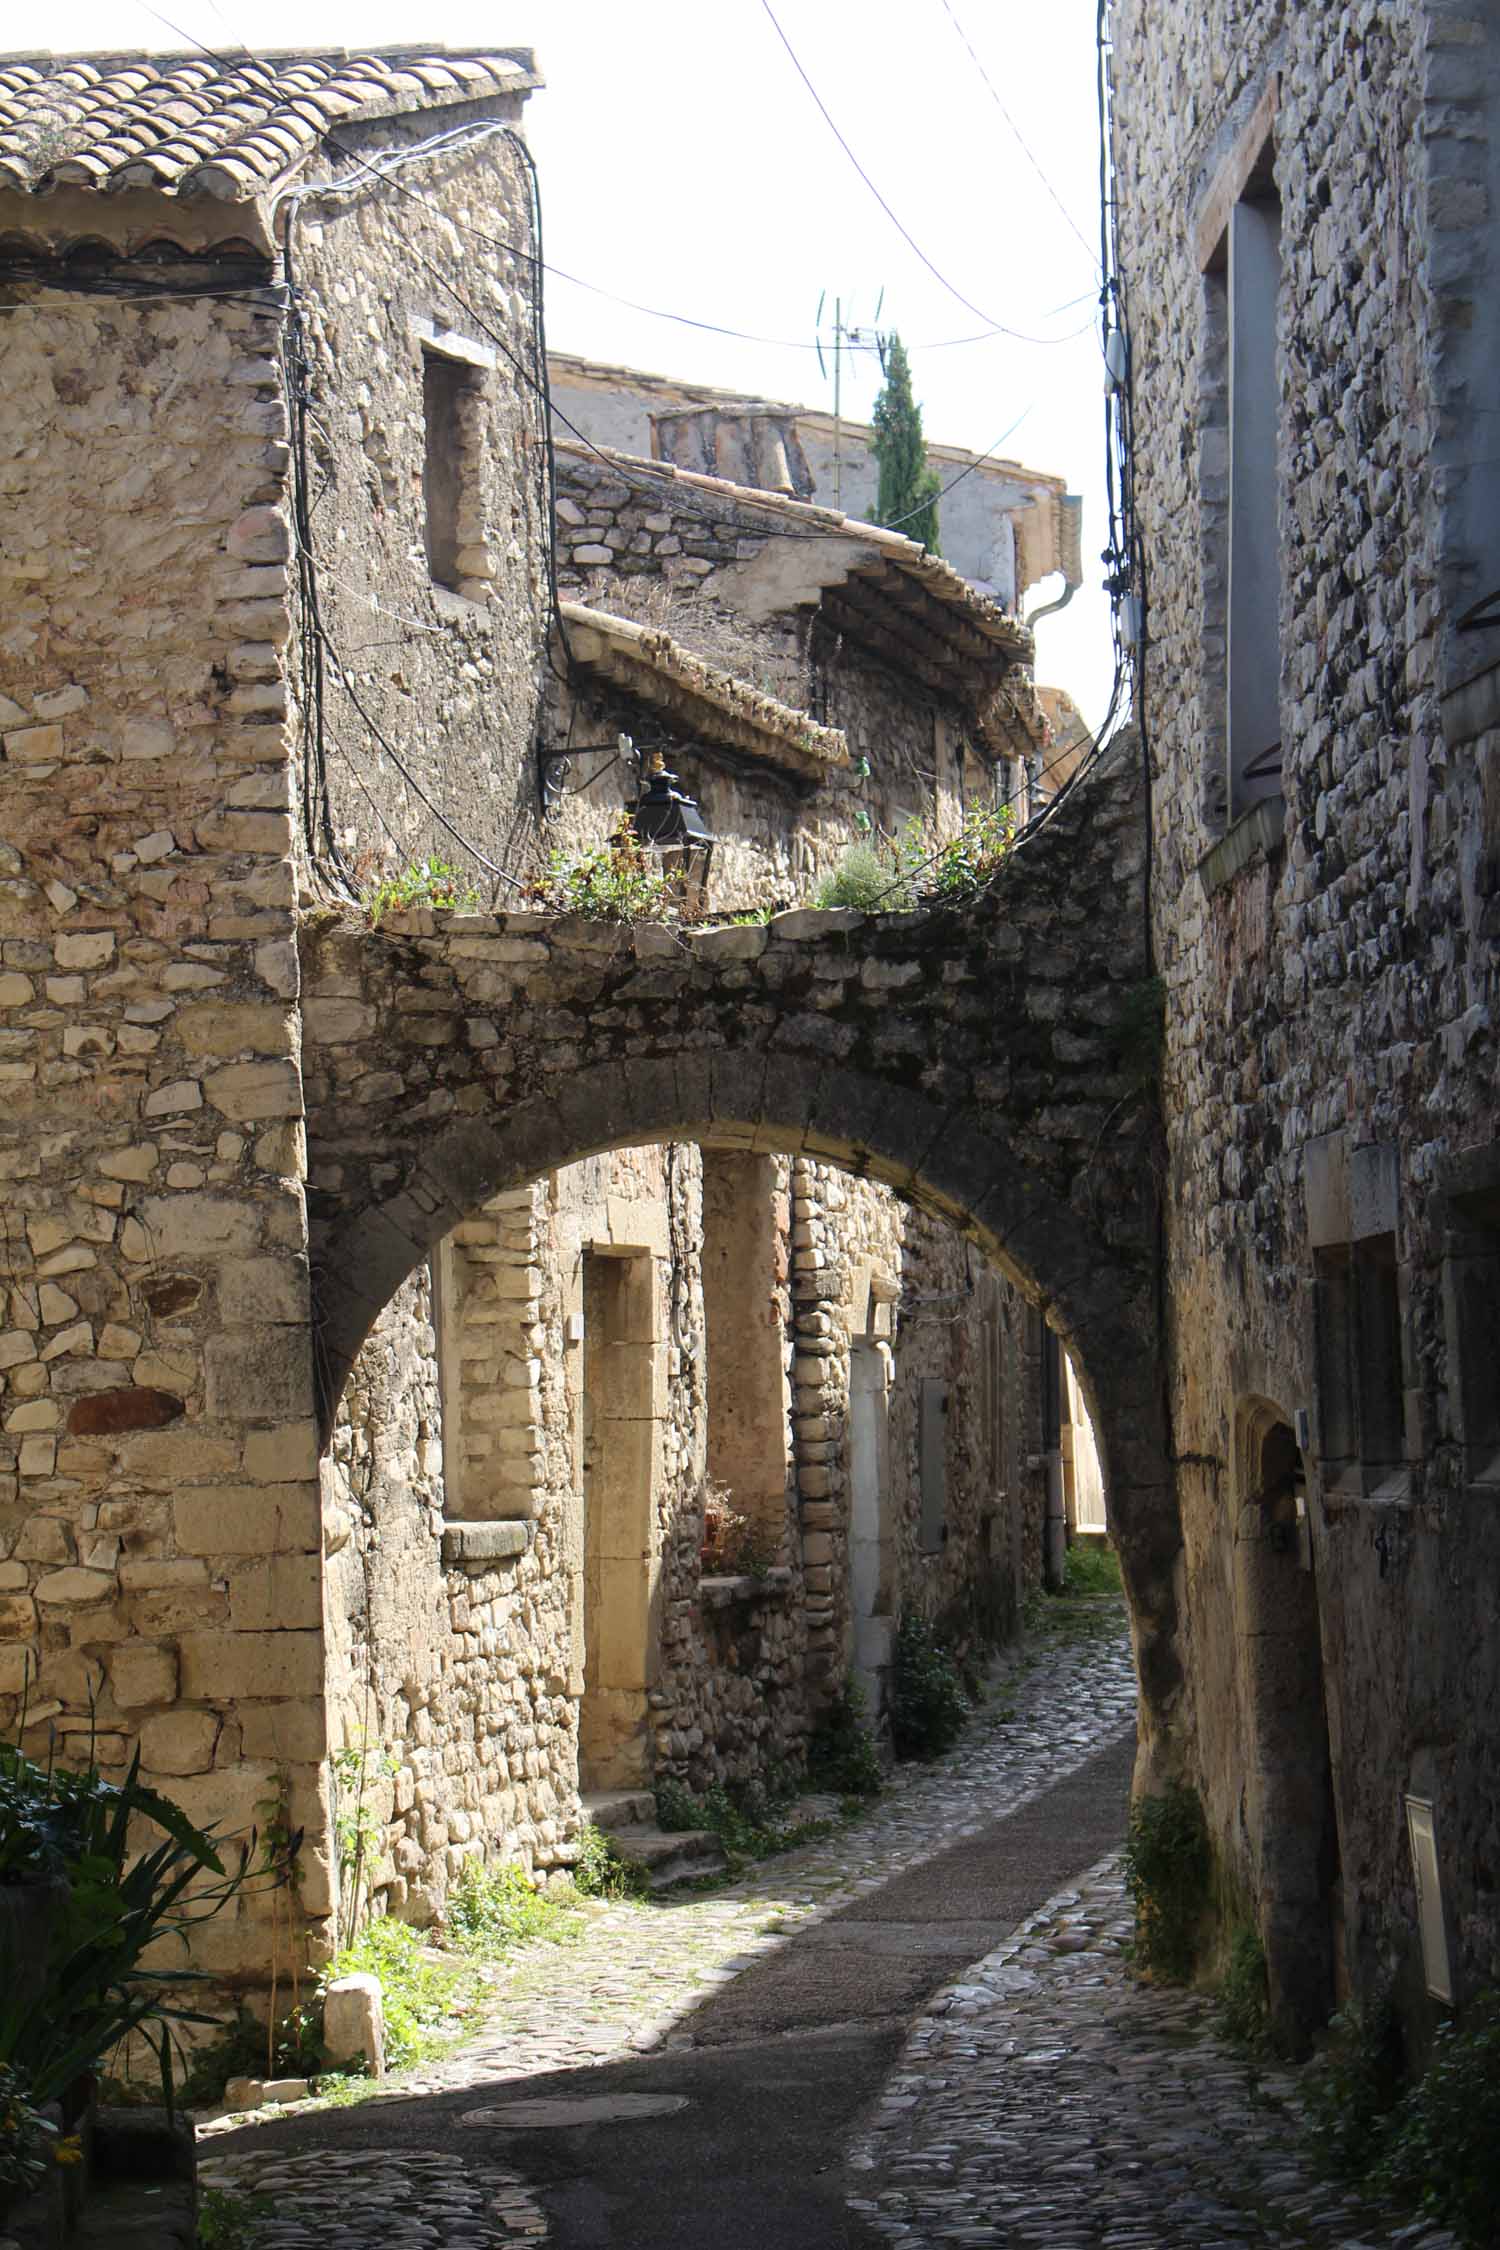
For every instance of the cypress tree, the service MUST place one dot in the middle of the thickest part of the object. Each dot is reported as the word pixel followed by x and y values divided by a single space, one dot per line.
pixel 908 488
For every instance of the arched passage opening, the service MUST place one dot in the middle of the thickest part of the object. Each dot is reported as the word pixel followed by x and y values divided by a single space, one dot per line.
pixel 1091 1273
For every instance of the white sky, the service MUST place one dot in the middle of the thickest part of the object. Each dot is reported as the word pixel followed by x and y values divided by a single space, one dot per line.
pixel 684 165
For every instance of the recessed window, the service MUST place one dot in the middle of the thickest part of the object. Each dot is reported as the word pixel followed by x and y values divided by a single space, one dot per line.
pixel 1239 476
pixel 454 375
pixel 1362 1395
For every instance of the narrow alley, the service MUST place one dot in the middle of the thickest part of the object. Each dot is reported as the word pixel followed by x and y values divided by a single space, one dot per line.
pixel 926 2014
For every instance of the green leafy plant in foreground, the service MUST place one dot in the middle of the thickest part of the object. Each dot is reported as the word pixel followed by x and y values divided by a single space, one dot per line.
pixel 28 2140
pixel 1442 2148
pixel 492 1910
pixel 430 882
pixel 1168 1867
pixel 121 1903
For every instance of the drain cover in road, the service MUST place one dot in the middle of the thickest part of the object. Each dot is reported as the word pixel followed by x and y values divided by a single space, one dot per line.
pixel 579 2109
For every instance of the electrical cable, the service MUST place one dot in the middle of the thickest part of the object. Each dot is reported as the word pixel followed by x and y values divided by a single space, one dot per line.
pixel 909 239
pixel 1015 128
pixel 943 492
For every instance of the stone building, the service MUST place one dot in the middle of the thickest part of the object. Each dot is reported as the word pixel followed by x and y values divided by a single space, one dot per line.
pixel 1003 526
pixel 1307 249
pixel 279 624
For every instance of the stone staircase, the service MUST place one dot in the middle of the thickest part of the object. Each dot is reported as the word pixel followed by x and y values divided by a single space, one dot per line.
pixel 628 1818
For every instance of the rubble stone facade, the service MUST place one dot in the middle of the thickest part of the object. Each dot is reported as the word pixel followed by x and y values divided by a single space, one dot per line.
pixel 1328 944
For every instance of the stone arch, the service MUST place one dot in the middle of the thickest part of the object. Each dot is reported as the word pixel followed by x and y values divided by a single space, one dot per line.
pixel 1288 1788
pixel 958 1165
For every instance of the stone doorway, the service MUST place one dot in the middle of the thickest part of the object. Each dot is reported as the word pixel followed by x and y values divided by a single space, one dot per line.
pixel 1289 1799
pixel 620 1344
pixel 871 1572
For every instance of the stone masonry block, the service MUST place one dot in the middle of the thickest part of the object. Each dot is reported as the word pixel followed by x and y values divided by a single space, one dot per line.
pixel 226 1666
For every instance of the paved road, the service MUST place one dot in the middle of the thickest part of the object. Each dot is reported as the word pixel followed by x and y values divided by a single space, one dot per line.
pixel 784 2059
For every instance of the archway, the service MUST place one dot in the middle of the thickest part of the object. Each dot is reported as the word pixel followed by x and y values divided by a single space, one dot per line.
pixel 1091 1271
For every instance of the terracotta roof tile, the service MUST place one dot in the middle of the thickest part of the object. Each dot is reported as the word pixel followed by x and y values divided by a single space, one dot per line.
pixel 197 124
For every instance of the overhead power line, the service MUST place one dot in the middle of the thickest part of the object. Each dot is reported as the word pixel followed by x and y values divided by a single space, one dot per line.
pixel 906 235
pixel 1020 136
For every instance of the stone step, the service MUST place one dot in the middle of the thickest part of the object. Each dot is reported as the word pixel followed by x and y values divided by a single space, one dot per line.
pixel 685 1855
pixel 619 1808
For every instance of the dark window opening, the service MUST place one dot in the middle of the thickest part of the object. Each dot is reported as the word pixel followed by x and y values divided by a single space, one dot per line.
pixel 451 395
pixel 1471 1304
pixel 1361 1386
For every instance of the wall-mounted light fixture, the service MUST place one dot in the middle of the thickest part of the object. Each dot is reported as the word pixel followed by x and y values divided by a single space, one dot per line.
pixel 554 768
pixel 670 822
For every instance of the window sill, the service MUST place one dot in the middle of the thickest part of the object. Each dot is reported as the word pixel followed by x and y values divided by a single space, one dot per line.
pixel 484 1546
pixel 728 1593
pixel 1391 1490
pixel 1253 838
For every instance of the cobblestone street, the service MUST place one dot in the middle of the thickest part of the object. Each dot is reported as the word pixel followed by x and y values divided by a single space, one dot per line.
pixel 1041 2098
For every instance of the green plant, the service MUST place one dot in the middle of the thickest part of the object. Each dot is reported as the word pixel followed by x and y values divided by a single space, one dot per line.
pixel 960 865
pixel 843 1753
pixel 928 1702
pixel 733 1545
pixel 744 1817
pixel 866 878
pixel 1168 1866
pixel 27 2140
pixel 286 2047
pixel 617 881
pixel 492 1910
pixel 123 1902
pixel 228 2218
pixel 599 1872
pixel 1356 2082
pixel 356 1830
pixel 1443 2146
pixel 1091 1571
pixel 1243 2012
pixel 431 882
pixel 908 495
pixel 423 1996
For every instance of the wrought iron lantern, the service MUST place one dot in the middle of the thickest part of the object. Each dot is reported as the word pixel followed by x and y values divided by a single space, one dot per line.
pixel 670 822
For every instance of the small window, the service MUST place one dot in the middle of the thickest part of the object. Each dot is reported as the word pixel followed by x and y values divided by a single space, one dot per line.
pixel 1361 1389
pixel 932 1464
pixel 1239 480
pixel 452 397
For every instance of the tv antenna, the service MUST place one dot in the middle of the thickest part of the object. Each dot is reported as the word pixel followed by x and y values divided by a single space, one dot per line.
pixel 844 339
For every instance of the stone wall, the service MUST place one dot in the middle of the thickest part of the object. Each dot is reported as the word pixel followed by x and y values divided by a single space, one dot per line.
pixel 1330 968
pixel 441 679
pixel 158 1497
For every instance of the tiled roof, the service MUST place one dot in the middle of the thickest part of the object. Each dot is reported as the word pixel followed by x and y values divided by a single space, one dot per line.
pixel 231 126
pixel 648 664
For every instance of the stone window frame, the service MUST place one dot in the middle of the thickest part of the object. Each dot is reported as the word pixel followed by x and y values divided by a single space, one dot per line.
pixel 1360 1342
pixel 470 567
pixel 1246 175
